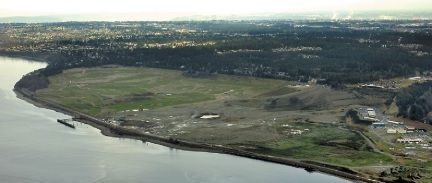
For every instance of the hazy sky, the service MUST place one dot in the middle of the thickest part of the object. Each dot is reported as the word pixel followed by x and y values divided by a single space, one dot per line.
pixel 195 7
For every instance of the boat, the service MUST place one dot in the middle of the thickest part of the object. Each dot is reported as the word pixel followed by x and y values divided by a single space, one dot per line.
pixel 64 122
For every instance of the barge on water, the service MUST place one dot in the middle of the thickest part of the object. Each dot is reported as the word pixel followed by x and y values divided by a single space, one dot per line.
pixel 65 122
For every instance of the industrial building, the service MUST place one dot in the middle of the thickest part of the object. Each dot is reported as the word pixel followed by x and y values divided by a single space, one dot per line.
pixel 371 112
pixel 410 140
pixel 396 130
pixel 378 125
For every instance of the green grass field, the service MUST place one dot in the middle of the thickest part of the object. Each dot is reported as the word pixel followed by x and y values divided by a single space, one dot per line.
pixel 99 91
pixel 329 144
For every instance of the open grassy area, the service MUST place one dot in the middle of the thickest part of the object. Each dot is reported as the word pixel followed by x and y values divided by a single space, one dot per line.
pixel 404 83
pixel 99 91
pixel 254 113
pixel 327 143
pixel 393 109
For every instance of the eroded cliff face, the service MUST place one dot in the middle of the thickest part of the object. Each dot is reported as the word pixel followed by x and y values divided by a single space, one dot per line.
pixel 32 81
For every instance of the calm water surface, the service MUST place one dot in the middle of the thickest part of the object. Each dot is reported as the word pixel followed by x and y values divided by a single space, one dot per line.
pixel 35 148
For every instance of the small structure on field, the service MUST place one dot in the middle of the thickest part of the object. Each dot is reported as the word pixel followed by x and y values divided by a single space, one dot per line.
pixel 209 116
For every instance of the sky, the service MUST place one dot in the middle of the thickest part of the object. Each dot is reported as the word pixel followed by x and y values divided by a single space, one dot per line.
pixel 161 9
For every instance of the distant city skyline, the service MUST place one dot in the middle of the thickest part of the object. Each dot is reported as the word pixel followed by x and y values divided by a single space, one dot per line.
pixel 168 9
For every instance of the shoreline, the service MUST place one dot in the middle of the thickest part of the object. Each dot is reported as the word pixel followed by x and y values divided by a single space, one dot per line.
pixel 111 130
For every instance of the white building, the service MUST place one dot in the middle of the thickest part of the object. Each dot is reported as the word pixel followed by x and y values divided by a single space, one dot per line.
pixel 397 130
pixel 409 140
pixel 371 112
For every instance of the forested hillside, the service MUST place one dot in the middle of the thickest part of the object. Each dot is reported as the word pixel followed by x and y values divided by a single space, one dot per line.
pixel 415 102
